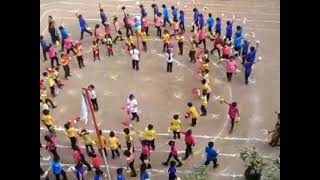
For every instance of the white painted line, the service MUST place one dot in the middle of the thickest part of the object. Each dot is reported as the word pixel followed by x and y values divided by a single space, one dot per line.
pixel 154 170
pixel 167 134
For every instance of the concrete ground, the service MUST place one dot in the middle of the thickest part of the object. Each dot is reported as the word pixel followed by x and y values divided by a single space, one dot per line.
pixel 161 94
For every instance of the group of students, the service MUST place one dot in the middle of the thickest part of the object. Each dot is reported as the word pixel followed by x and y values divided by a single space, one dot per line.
pixel 232 48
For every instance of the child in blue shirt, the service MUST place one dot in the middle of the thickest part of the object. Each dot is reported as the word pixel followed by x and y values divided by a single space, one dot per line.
pixel 174 12
pixel 245 49
pixel 57 170
pixel 166 15
pixel 143 12
pixel 228 31
pixel 98 175
pixel 155 11
pixel 211 155
pixel 238 31
pixel 83 26
pixel 143 172
pixel 238 44
pixel 181 21
pixel 251 56
pixel 172 171
pixel 195 18
pixel 247 70
pixel 218 25
pixel 210 23
pixel 120 175
pixel 201 21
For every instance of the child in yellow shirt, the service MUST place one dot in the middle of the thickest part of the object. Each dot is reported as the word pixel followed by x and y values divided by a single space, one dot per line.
pixel 129 42
pixel 144 39
pixel 193 51
pixel 128 137
pixel 192 111
pixel 204 102
pixel 114 144
pixel 175 126
pixel 55 75
pixel 71 133
pixel 166 40
pixel 48 120
pixel 50 83
pixel 150 135
pixel 103 145
pixel 180 40
pixel 109 45
pixel 206 88
pixel 95 50
pixel 87 141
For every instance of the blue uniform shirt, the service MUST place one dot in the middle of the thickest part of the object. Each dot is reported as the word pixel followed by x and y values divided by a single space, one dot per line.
pixel 56 167
pixel 165 13
pixel 143 13
pixel 245 49
pixel 196 16
pixel 181 18
pixel 83 24
pixel 238 42
pixel 44 43
pixel 201 21
pixel 247 67
pixel 175 13
pixel 156 10
pixel 144 176
pixel 210 22
pixel 64 34
pixel 218 26
pixel 121 177
pixel 229 30
pixel 103 17
pixel 211 153
pixel 251 56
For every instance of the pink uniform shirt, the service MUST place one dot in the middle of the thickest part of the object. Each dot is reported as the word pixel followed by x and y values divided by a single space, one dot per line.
pixel 231 66
pixel 52 52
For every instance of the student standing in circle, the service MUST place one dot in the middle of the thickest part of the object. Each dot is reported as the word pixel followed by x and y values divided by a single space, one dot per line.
pixel 135 56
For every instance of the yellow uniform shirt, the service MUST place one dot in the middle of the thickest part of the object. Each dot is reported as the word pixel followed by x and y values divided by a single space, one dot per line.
pixel 204 100
pixel 95 47
pixel 166 38
pixel 55 75
pixel 48 120
pixel 130 40
pixel 103 142
pixel 193 47
pixel 43 94
pixel 113 143
pixel 207 88
pixel 128 137
pixel 144 37
pixel 180 38
pixel 71 132
pixel 206 77
pixel 50 81
pixel 193 112
pixel 87 140
pixel 65 60
pixel 205 66
pixel 175 125
pixel 79 50
pixel 150 135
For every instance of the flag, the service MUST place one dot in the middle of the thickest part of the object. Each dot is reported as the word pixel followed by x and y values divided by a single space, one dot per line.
pixel 84 115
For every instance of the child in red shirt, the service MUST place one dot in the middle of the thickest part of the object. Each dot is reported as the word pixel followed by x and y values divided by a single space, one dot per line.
pixel 173 153
pixel 226 51
pixel 145 153
pixel 190 141
pixel 130 161
pixel 145 25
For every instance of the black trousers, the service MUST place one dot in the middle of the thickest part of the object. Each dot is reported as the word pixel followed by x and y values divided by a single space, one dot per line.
pixel 63 175
pixel 96 55
pixel 176 134
pixel 73 141
pixel 104 150
pixel 218 32
pixel 52 91
pixel 210 30
pixel 169 66
pixel 165 20
pixel 246 77
pixel 115 151
pixel 192 56
pixel 133 170
pixel 129 29
pixel 181 25
pixel 215 48
pixel 188 151
pixel 207 162
pixel 119 35
pixel 193 122
pixel 203 110
pixel 71 49
pixel 44 51
pixel 227 37
pixel 196 24
pixel 180 44
pixel 66 69
pixel 95 104
pixel 50 128
pixel 151 143
pixel 146 29
pixel 85 30
pixel 232 124
pixel 204 43
pixel 165 47
pixel 229 76
pixel 54 59
pixel 62 44
pixel 159 33
pixel 175 157
pixel 208 96
pixel 47 100
pixel 128 145
pixel 91 149
pixel 80 61
pixel 83 161
pixel 144 44
pixel 135 64
pixel 135 116
pixel 54 153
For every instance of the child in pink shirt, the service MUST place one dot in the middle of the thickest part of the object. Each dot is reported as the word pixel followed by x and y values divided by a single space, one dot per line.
pixel 96 161
pixel 117 29
pixel 107 31
pixel 226 51
pixel 98 34
pixel 231 67
pixel 202 38
pixel 145 25
pixel 158 24
pixel 173 153
pixel 175 26
pixel 53 56
pixel 68 45
pixel 145 153
pixel 130 161
pixel 233 113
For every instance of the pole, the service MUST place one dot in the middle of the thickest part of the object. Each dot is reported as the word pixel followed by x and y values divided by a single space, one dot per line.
pixel 97 129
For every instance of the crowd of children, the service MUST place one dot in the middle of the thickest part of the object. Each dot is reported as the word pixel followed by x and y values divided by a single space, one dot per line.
pixel 233 47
